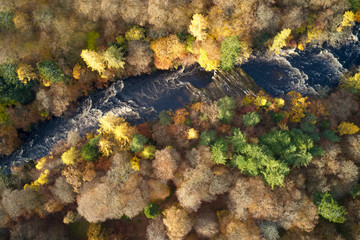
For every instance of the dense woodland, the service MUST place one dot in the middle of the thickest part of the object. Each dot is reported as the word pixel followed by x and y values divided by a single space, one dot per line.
pixel 254 167
pixel 53 52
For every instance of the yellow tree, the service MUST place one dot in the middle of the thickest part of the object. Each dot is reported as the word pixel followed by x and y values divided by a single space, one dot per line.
pixel 348 19
pixel 26 73
pixel 193 134
pixel 167 51
pixel 347 128
pixel 70 156
pixel 93 60
pixel 352 82
pixel 105 147
pixel 198 26
pixel 209 54
pixel 280 40
pixel 117 130
pixel 298 106
pixel 135 33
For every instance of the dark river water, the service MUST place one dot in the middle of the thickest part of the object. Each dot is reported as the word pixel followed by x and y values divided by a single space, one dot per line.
pixel 312 71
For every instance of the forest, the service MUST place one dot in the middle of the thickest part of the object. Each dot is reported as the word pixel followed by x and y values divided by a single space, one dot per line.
pixel 250 167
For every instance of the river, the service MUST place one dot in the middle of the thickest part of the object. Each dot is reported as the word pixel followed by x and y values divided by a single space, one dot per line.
pixel 315 70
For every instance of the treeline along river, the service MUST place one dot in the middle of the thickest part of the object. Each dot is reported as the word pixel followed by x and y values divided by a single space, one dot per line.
pixel 312 71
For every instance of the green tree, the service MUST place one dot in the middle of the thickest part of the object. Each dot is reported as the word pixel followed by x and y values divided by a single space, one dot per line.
pixel 50 71
pixel 292 147
pixel 226 109
pixel 91 38
pixel 218 151
pixel 11 88
pixel 277 117
pixel 90 151
pixel 164 117
pixel 148 152
pixel 355 5
pixel 355 192
pixel 207 138
pixel 138 142
pixel 230 49
pixel 329 209
pixel 330 135
pixel 151 210
pixel 275 172
pixel 6 20
pixel 251 119
pixel 114 57
pixel 238 140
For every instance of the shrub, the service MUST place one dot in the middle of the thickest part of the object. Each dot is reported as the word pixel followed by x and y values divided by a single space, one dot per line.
pixel 329 209
pixel 50 71
pixel 251 119
pixel 226 106
pixel 137 143
pixel 151 210
pixel 90 151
